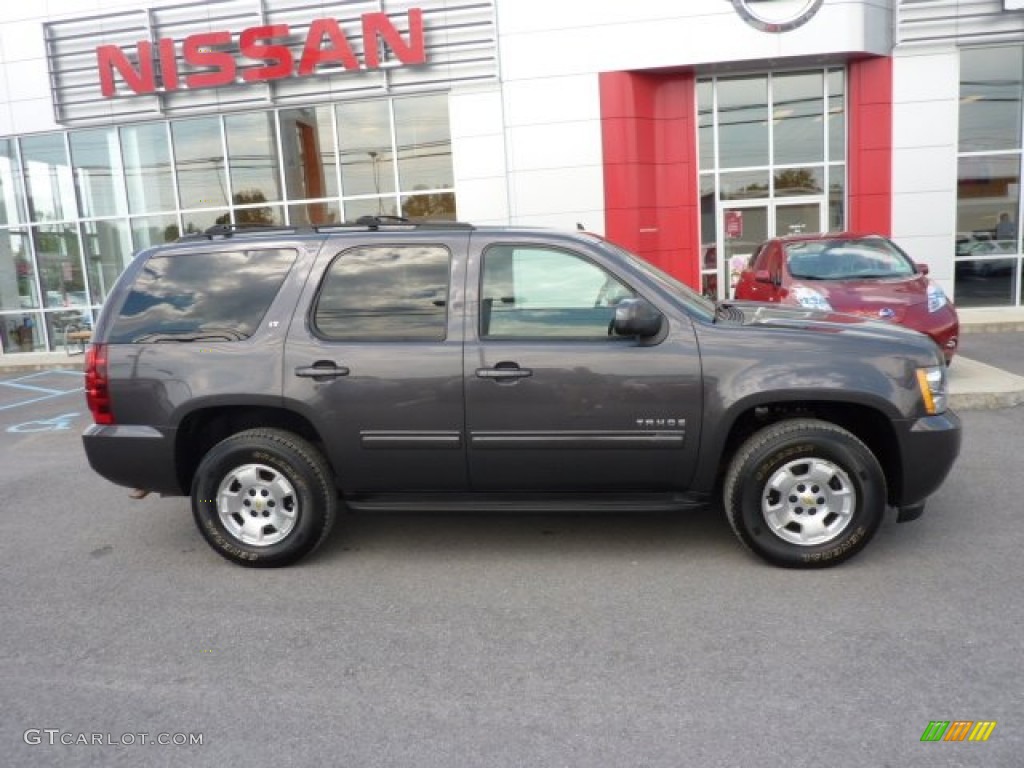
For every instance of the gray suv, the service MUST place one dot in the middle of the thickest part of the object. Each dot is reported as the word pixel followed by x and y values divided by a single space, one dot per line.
pixel 277 375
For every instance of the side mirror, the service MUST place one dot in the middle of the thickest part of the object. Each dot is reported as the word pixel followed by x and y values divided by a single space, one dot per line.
pixel 922 268
pixel 763 276
pixel 636 317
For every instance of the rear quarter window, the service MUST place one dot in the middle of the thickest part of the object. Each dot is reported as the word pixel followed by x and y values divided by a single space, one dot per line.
pixel 218 296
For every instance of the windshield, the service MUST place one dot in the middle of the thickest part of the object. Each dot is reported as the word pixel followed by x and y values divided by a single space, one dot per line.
pixel 847 259
pixel 696 302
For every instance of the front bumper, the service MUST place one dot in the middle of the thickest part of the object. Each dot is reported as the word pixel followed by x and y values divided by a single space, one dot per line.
pixel 133 456
pixel 928 449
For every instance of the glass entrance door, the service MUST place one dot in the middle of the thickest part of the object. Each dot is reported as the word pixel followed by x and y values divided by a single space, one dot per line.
pixel 744 228
pixel 745 225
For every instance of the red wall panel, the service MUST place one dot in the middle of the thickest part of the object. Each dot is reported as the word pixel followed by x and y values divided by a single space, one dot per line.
pixel 650 174
pixel 869 152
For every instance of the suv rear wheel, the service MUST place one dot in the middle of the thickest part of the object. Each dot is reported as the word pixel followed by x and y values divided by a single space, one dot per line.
pixel 263 498
pixel 804 493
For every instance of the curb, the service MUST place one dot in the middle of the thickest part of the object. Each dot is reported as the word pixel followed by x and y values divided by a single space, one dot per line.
pixel 1010 326
pixel 985 401
pixel 43 364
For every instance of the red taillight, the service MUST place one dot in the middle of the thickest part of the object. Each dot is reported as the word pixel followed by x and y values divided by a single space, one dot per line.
pixel 97 389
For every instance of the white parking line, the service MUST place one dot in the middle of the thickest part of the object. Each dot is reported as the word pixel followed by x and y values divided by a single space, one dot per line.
pixel 47 390
pixel 18 383
pixel 40 399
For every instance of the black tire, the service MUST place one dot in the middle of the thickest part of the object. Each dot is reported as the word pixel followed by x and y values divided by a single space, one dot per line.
pixel 264 498
pixel 828 499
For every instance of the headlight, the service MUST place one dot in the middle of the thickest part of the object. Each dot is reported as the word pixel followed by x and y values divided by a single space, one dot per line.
pixel 810 298
pixel 936 298
pixel 932 383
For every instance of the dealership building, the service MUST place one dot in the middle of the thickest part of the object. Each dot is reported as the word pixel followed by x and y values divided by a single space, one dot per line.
pixel 686 131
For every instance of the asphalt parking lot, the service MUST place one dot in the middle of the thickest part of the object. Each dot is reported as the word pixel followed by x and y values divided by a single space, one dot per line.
pixel 512 640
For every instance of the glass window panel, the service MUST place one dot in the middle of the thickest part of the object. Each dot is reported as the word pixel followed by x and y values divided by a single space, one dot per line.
pixel 424 142
pixel 147 168
pixel 51 190
pixel 148 231
pixel 252 155
pixel 988 198
pixel 744 185
pixel 108 249
pixel 370 206
pixel 307 140
pixel 58 322
pixel 200 221
pixel 985 282
pixel 12 203
pixel 836 115
pixel 264 215
pixel 386 292
pixel 435 206
pixel 708 219
pixel 742 121
pixel 60 265
pixel 17 273
pixel 199 162
pixel 798 219
pixel 798 110
pixel 364 145
pixel 314 214
pixel 709 286
pixel 705 124
pixel 836 198
pixel 22 332
pixel 799 181
pixel 745 230
pixel 98 175
pixel 990 98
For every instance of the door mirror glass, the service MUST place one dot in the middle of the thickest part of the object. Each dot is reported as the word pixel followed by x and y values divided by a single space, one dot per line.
pixel 763 276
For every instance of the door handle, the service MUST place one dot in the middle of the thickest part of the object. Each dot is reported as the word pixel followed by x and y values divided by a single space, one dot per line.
pixel 504 372
pixel 321 370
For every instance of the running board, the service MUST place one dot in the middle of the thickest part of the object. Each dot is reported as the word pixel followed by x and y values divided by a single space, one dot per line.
pixel 544 503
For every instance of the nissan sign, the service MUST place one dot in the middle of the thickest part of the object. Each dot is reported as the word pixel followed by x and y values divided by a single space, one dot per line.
pixel 776 15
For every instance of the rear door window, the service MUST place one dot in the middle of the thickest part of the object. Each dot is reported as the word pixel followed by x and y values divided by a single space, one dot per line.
pixel 385 292
pixel 201 296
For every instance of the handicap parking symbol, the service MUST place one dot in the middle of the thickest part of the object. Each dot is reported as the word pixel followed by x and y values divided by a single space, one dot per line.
pixel 45 425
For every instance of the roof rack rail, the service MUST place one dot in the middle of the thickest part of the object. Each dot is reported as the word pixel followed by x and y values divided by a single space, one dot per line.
pixel 230 230
pixel 374 223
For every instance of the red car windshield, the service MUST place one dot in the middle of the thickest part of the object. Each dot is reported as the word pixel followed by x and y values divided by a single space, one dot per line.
pixel 847 259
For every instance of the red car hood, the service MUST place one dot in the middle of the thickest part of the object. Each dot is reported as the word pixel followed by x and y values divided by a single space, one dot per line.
pixel 873 297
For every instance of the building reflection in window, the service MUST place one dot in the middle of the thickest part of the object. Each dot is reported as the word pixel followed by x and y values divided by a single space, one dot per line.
pixel 199 162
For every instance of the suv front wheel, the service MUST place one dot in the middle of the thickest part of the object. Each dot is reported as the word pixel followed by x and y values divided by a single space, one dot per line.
pixel 804 493
pixel 263 498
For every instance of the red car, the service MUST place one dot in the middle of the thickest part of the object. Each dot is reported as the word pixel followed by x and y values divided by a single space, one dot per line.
pixel 866 275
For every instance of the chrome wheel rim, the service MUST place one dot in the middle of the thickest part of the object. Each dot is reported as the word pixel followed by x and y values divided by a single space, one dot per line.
pixel 808 502
pixel 257 505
